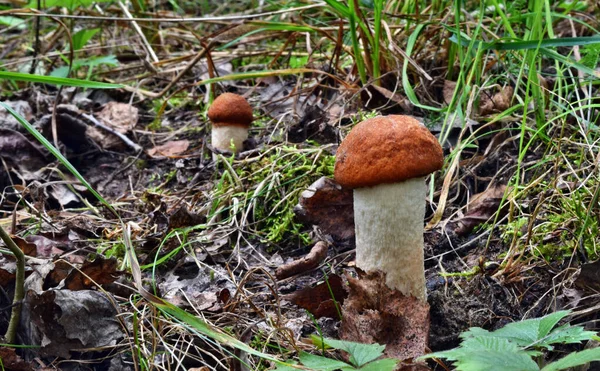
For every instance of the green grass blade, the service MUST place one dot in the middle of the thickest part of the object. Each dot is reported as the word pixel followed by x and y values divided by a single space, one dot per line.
pixel 339 8
pixel 376 56
pixel 531 44
pixel 193 322
pixel 17 76
pixel 408 90
pixel 56 153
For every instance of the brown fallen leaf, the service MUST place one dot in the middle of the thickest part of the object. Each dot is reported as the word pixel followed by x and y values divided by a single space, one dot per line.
pixel 12 362
pixel 448 90
pixel 481 208
pixel 121 117
pixel 18 152
pixel 45 247
pixel 374 313
pixel 183 218
pixel 7 272
pixel 330 207
pixel 98 272
pixel 169 149
pixel 312 260
pixel 27 247
pixel 60 271
pixel 589 277
pixel 496 103
pixel 318 300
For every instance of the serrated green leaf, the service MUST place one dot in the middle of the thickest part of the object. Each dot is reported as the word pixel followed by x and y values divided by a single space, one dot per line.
pixel 487 353
pixel 536 332
pixel 360 354
pixel 321 363
pixel 574 359
pixel 548 322
pixel 567 334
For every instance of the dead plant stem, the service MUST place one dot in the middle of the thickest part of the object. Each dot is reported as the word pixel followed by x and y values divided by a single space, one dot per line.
pixel 13 324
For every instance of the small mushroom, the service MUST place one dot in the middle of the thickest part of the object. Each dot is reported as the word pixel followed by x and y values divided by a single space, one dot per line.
pixel 385 160
pixel 231 116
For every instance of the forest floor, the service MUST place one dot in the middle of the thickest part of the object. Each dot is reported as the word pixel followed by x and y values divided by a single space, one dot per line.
pixel 511 222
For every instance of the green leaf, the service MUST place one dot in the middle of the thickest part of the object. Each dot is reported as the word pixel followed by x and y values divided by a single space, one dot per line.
pixel 17 76
pixel 40 138
pixel 339 8
pixel 536 332
pixel 70 4
pixel 359 353
pixel 548 322
pixel 386 364
pixel 9 21
pixel 63 71
pixel 574 359
pixel 532 44
pixel 487 353
pixel 80 38
pixel 321 363
pixel 566 334
pixel 109 60
pixel 408 90
pixel 286 367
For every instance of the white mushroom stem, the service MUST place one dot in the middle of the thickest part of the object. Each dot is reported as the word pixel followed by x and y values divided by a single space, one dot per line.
pixel 389 233
pixel 224 136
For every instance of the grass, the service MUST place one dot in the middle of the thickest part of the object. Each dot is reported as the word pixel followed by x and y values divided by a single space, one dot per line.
pixel 542 142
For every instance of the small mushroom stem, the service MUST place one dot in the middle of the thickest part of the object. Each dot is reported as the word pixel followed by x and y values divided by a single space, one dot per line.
pixel 389 233
pixel 224 136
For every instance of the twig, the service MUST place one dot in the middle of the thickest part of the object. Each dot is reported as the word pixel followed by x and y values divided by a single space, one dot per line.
pixel 136 147
pixel 137 29
pixel 25 12
pixel 317 254
pixel 15 316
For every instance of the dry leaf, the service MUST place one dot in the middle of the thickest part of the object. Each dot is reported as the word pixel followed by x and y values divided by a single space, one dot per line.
pixel 497 103
pixel 374 313
pixel 312 260
pixel 69 320
pixel 170 149
pixel 481 208
pixel 318 300
pixel 98 272
pixel 121 117
pixel 329 206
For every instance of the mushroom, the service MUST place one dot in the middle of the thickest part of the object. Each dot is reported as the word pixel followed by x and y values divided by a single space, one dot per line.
pixel 231 116
pixel 385 160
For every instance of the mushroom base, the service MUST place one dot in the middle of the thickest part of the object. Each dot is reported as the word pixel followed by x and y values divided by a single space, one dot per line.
pixel 389 233
pixel 224 136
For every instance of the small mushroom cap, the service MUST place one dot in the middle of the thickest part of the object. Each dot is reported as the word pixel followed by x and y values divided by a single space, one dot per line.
pixel 386 149
pixel 230 110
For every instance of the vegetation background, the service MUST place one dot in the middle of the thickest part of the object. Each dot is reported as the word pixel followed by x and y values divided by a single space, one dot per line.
pixel 108 178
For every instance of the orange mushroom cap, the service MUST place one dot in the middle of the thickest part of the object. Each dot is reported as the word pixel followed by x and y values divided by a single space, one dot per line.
pixel 386 149
pixel 230 110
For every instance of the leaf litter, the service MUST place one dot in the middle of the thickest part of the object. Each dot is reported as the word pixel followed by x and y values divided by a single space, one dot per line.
pixel 211 235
